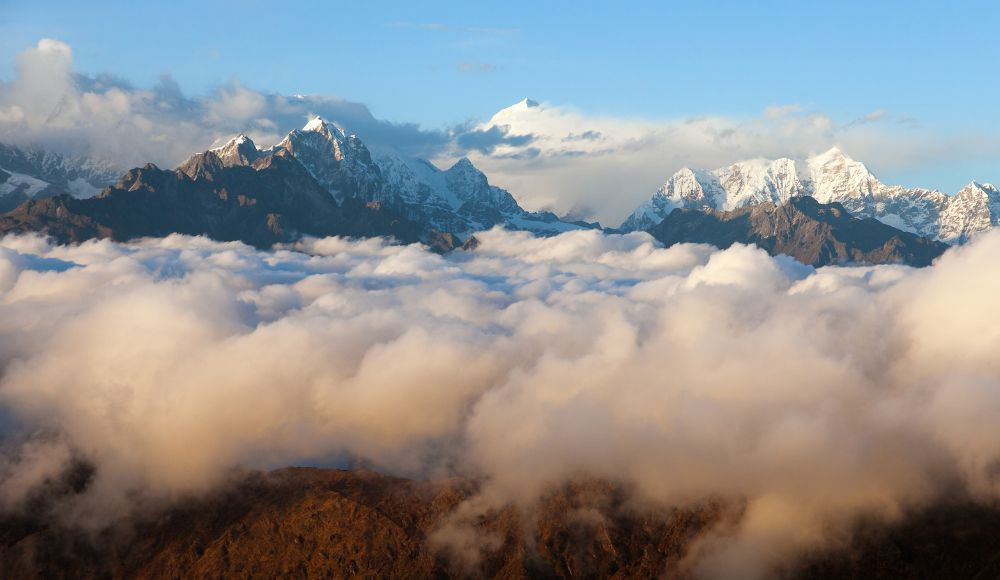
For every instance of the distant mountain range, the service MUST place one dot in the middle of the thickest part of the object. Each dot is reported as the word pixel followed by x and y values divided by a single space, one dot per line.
pixel 36 173
pixel 320 180
pixel 830 177
pixel 273 199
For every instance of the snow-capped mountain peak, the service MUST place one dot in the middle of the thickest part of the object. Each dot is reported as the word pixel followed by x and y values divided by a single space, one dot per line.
pixel 341 163
pixel 458 200
pixel 240 150
pixel 835 175
pixel 830 176
pixel 833 160
pixel 833 154
pixel 332 131
pixel 236 141
pixel 740 184
pixel 463 164
pixel 315 124
pixel 976 187
pixel 506 115
pixel 975 208
pixel 522 105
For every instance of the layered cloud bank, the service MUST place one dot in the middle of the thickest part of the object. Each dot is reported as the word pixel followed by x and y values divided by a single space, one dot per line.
pixel 816 396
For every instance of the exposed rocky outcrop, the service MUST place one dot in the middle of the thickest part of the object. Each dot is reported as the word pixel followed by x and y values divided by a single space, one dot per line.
pixel 271 200
pixel 809 231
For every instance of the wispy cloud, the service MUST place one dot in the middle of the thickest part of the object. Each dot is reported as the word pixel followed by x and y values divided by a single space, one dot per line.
pixel 487 140
pixel 870 117
pixel 476 67
pixel 875 115
pixel 780 111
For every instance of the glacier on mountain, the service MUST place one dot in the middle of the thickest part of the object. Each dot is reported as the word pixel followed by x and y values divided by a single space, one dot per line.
pixel 829 177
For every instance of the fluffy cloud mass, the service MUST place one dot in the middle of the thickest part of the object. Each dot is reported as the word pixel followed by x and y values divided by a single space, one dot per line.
pixel 687 373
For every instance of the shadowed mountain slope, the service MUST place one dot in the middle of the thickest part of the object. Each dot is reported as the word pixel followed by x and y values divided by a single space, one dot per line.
pixel 809 231
pixel 262 201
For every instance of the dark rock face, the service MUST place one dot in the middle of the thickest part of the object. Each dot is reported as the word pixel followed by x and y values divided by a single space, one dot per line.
pixel 11 200
pixel 956 539
pixel 442 242
pixel 269 200
pixel 471 244
pixel 58 217
pixel 410 193
pixel 314 523
pixel 811 232
pixel 310 523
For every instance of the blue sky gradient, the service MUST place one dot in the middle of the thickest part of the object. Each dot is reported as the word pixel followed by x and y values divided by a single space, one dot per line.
pixel 439 62
pixel 929 67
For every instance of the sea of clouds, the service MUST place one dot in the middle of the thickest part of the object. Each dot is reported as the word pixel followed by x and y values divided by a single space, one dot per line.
pixel 815 396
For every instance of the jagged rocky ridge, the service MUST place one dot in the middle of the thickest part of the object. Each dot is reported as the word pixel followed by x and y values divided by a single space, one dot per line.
pixel 313 523
pixel 458 200
pixel 239 192
pixel 830 177
pixel 263 201
pixel 809 231
pixel 317 181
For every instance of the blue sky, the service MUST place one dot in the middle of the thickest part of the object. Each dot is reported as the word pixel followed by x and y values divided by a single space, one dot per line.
pixel 440 62
pixel 909 87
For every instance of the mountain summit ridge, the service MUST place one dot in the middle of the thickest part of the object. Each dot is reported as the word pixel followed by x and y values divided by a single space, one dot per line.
pixel 831 176
pixel 458 199
pixel 318 180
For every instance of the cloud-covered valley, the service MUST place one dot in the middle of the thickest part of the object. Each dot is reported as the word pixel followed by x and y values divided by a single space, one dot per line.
pixel 688 373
